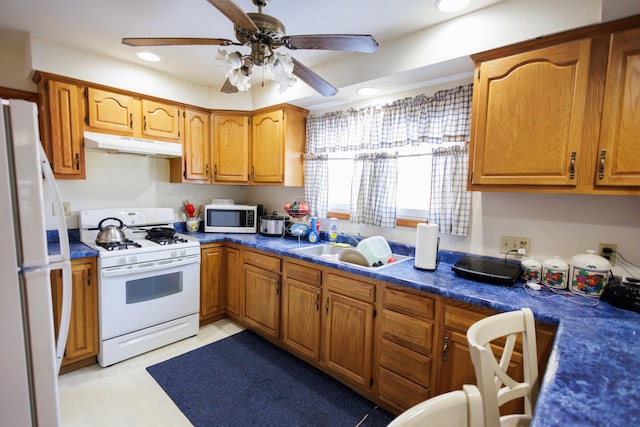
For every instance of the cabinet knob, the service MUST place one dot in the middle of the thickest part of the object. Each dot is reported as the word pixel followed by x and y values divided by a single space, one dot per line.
pixel 77 161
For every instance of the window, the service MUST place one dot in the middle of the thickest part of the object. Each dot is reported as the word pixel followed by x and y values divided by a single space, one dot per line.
pixel 414 181
pixel 389 147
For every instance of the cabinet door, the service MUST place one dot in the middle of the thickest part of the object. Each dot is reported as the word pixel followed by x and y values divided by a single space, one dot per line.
pixel 349 338
pixel 262 300
pixel 66 138
pixel 233 281
pixel 267 149
pixel 196 146
pixel 528 116
pixel 110 111
pixel 619 152
pixel 160 120
pixel 82 341
pixel 301 317
pixel 211 275
pixel 230 148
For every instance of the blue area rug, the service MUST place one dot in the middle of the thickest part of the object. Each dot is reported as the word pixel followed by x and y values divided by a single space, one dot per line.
pixel 244 380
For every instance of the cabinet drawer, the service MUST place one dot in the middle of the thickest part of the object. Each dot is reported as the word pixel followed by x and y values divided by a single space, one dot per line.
pixel 413 333
pixel 305 274
pixel 409 364
pixel 351 287
pixel 460 319
pixel 416 305
pixel 398 391
pixel 265 262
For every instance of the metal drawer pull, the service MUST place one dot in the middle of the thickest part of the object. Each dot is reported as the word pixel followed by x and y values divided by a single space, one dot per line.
pixel 445 356
pixel 572 167
pixel 603 155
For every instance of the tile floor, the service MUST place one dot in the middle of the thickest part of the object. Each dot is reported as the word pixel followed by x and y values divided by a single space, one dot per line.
pixel 125 394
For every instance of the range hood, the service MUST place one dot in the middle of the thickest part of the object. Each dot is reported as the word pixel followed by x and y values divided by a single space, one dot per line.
pixel 125 144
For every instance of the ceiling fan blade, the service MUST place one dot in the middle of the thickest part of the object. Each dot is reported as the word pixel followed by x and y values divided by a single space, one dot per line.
pixel 312 79
pixel 348 42
pixel 236 15
pixel 227 87
pixel 170 41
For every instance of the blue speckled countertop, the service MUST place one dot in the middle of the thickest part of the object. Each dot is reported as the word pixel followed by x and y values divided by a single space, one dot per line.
pixel 593 370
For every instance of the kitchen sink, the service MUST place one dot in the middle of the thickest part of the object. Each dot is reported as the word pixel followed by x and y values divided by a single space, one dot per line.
pixel 331 252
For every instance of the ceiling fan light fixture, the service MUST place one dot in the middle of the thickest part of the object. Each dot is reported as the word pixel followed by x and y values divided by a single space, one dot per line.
pixel 148 56
pixel 450 6
pixel 281 67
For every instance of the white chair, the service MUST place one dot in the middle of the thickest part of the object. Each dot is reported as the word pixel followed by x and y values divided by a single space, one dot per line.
pixel 460 408
pixel 495 385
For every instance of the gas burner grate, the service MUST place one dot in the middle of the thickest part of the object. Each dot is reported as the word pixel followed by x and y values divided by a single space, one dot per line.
pixel 167 240
pixel 116 246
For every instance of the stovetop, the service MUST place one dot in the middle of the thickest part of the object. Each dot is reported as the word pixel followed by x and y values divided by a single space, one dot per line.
pixel 136 221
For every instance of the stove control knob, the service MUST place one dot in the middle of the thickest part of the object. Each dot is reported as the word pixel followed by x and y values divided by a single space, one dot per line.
pixel 174 254
pixel 133 258
pixel 122 260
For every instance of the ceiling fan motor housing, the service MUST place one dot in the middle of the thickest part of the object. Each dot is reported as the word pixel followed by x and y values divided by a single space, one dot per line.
pixel 270 28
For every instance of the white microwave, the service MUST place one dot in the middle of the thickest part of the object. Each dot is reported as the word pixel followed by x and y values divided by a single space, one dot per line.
pixel 231 218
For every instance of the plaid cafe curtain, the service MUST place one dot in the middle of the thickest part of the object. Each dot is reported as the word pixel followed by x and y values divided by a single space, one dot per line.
pixel 450 202
pixel 373 132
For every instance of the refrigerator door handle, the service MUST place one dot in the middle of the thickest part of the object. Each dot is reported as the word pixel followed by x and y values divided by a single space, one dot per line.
pixel 65 264
pixel 65 315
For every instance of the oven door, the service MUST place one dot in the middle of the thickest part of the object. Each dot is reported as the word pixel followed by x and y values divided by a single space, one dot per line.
pixel 137 296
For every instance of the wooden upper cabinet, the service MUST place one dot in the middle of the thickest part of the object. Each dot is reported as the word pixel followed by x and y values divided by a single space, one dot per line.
pixel 160 120
pixel 278 137
pixel 528 115
pixel 124 114
pixel 268 148
pixel 618 157
pixel 230 148
pixel 109 111
pixel 63 128
pixel 196 145
pixel 559 114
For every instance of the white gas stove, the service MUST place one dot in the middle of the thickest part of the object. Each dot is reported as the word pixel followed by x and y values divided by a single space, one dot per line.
pixel 149 288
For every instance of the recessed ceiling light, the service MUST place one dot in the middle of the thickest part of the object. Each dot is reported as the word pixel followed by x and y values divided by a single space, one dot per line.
pixel 148 56
pixel 451 5
pixel 367 91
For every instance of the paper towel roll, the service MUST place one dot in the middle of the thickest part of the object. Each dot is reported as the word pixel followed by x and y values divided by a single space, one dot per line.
pixel 427 241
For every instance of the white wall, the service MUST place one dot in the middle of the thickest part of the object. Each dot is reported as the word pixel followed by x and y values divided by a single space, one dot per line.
pixel 129 181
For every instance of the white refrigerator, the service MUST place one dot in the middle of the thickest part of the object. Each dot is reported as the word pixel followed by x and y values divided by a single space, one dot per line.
pixel 30 357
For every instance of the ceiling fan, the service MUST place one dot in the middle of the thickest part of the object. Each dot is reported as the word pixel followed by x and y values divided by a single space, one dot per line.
pixel 264 34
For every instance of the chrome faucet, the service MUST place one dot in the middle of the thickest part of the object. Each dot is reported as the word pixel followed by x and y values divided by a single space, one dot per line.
pixel 347 238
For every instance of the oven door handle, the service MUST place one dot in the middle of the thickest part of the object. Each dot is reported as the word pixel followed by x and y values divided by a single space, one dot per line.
pixel 149 266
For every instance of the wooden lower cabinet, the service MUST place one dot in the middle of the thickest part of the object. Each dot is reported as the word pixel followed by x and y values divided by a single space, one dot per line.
pixel 349 322
pixel 406 338
pixel 233 282
pixel 395 345
pixel 261 279
pixel 456 366
pixel 82 341
pixel 211 278
pixel 301 309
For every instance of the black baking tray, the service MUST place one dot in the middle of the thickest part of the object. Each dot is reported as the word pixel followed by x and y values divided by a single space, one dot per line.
pixel 497 272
